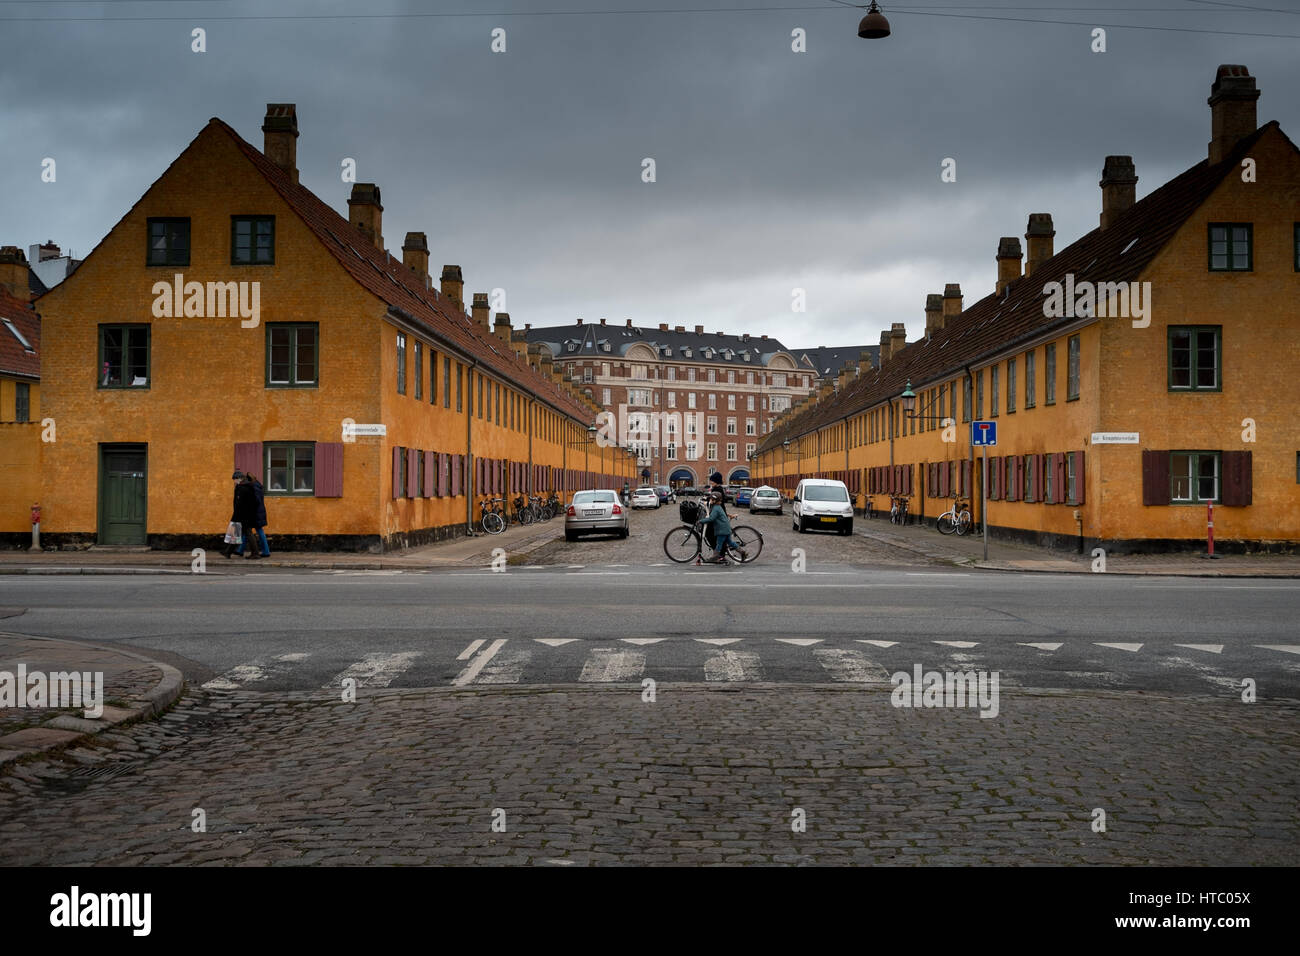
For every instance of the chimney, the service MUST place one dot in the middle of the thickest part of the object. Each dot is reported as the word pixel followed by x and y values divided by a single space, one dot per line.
pixel 864 362
pixel 763 338
pixel 663 326
pixel 744 337
pixel 501 327
pixel 951 302
pixel 1008 263
pixel 43 251
pixel 452 286
pixel 1232 109
pixel 677 328
pixel 415 255
pixel 699 330
pixel 897 339
pixel 13 273
pixel 545 364
pixel 1038 236
pixel 602 321
pixel 1118 188
pixel 885 350
pixel 933 313
pixel 842 379
pixel 480 310
pixel 366 213
pixel 629 323
pixel 535 355
pixel 280 137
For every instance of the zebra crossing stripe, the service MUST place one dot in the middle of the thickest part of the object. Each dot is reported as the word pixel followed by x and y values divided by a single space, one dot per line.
pixel 958 643
pixel 800 641
pixel 850 666
pixel 733 666
pixel 1284 648
pixel 506 668
pixel 717 641
pixel 609 664
pixel 642 640
pixel 1041 647
pixel 1212 648
pixel 254 671
pixel 375 670
pixel 1131 648
pixel 553 641
pixel 878 643
pixel 468 652
pixel 477 664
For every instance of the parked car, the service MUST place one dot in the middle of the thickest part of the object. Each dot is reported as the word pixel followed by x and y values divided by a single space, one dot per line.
pixel 765 498
pixel 594 512
pixel 743 496
pixel 666 495
pixel 645 498
pixel 824 504
pixel 688 491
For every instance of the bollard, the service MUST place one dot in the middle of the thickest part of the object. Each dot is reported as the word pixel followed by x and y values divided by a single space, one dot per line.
pixel 1209 528
pixel 36 526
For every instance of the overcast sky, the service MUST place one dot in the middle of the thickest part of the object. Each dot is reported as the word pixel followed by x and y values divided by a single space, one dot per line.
pixel 775 170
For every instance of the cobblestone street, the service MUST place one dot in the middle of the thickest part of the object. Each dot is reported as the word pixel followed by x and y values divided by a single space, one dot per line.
pixel 597 776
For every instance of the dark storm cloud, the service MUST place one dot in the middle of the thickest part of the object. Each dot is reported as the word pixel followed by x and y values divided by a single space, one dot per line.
pixel 776 170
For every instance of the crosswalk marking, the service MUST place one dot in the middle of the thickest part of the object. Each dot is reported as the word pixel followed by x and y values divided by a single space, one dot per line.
pixel 1212 648
pixel 375 670
pixel 800 641
pixel 1132 648
pixel 553 641
pixel 506 668
pixel 1041 647
pixel 468 652
pixel 254 671
pixel 1285 648
pixel 959 643
pixel 642 640
pixel 471 670
pixel 733 666
pixel 878 643
pixel 609 665
pixel 717 641
pixel 847 665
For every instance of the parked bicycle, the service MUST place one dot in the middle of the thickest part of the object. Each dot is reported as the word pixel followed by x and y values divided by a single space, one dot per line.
pixel 898 509
pixel 957 518
pixel 524 513
pixel 492 515
pixel 686 542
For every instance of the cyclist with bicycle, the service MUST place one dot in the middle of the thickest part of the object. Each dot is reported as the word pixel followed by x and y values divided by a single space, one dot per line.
pixel 720 524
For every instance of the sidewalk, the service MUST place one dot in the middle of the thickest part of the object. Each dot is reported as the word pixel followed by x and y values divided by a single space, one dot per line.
pixel 517 541
pixel 133 687
pixel 968 551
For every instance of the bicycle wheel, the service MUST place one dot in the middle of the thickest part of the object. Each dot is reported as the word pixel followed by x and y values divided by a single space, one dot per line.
pixel 547 514
pixel 493 523
pixel 946 524
pixel 747 539
pixel 682 544
pixel 963 522
pixel 525 516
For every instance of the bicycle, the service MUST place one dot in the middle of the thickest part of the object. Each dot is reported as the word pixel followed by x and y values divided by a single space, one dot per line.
pixel 957 518
pixel 542 509
pixel 524 513
pixel 686 542
pixel 898 509
pixel 492 520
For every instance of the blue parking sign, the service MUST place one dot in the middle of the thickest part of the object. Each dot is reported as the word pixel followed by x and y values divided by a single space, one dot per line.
pixel 983 433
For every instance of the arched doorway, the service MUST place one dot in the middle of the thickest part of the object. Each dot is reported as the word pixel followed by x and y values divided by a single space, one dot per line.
pixel 681 477
pixel 738 476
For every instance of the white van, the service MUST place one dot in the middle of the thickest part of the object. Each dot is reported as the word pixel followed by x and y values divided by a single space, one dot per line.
pixel 822 503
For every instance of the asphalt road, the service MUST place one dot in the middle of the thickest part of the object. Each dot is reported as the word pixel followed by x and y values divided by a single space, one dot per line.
pixel 601 624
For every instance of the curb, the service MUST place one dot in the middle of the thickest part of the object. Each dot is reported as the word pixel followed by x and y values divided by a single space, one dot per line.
pixel 63 730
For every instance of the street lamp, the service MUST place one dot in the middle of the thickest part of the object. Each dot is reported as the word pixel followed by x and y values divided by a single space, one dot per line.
pixel 908 399
pixel 873 26
pixel 785 448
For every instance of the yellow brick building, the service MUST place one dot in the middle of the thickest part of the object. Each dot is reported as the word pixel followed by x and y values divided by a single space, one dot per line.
pixel 233 319
pixel 1141 374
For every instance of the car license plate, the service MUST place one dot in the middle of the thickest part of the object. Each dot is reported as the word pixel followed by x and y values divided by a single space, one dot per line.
pixel 593 512
pixel 828 520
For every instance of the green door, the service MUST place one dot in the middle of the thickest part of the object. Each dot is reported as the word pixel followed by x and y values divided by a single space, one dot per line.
pixel 122 496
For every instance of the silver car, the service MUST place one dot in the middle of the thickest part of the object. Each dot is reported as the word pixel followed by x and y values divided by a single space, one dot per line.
pixel 765 498
pixel 594 512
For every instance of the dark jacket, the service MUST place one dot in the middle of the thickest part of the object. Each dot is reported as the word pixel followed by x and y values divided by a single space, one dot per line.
pixel 245 505
pixel 261 504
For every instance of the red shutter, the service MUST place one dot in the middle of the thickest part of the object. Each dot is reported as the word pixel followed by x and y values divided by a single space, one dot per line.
pixel 1237 478
pixel 1155 477
pixel 412 473
pixel 992 478
pixel 1079 478
pixel 441 487
pixel 1033 480
pixel 453 463
pixel 430 473
pixel 1020 477
pixel 967 486
pixel 248 458
pixel 329 469
pixel 1049 469
pixel 1009 482
pixel 397 472
pixel 907 479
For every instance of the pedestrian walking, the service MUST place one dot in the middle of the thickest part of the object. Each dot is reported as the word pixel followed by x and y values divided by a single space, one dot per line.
pixel 237 525
pixel 245 512
pixel 263 550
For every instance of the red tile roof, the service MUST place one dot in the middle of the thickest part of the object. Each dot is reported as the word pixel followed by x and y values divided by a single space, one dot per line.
pixel 1119 253
pixel 14 358
pixel 401 288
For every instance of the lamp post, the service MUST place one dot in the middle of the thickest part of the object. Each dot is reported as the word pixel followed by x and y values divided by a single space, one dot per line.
pixel 785 447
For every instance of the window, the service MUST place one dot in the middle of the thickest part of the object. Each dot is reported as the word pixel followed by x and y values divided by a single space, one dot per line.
pixel 749 403
pixel 480 394
pixel 124 356
pixel 1029 478
pixel 778 380
pixel 586 375
pixel 731 426
pixel 993 392
pixel 446 384
pixel 604 369
pixel 433 377
pixel 1048 479
pixel 1231 247
pixel 692 451
pixel 291 355
pixel 749 449
pixel 252 240
pixel 711 426
pixel 1010 493
pixel 671 452
pixel 690 374
pixel 711 451
pixel 690 399
pixel 1195 356
pixel 1049 374
pixel 169 242
pixel 1072 477
pixel 401 364
pixel 713 376
pixel 605 396
pixel 731 403
pixel 496 390
pixel 1194 476
pixel 713 400
pixel 22 402
pixel 1296 247
pixel 1072 369
pixel 672 399
pixel 731 376
pixel 1011 386
pixel 731 451
pixel 965 400
pixel 419 373
pixel 749 380
pixel 943 411
pixel 749 427
pixel 460 386
pixel 1030 397
pixel 290 468
pixel 672 373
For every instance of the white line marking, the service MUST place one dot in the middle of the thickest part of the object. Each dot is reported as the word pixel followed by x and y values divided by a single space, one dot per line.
pixel 959 643
pixel 468 652
pixel 733 666
pixel 1212 648
pixel 476 665
pixel 642 640
pixel 506 668
pixel 254 671
pixel 608 664
pixel 716 641
pixel 1041 647
pixel 878 643
pixel 1285 648
pixel 800 641
pixel 375 670
pixel 553 641
pixel 1132 648
pixel 847 665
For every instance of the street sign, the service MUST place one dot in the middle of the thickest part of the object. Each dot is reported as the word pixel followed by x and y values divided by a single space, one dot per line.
pixel 1114 438
pixel 355 430
pixel 983 433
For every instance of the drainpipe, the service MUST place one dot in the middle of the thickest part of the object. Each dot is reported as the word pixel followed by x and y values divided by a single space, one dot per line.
pixel 469 454
pixel 970 450
pixel 532 408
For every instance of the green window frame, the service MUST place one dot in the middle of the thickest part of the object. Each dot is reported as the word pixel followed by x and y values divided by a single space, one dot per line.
pixel 1010 464
pixel 1029 480
pixel 124 353
pixel 419 370
pixel 965 398
pixel 1011 386
pixel 1194 477
pixel 22 402
pixel 1031 382
pixel 252 240
pixel 1231 246
pixel 446 384
pixel 433 376
pixel 401 363
pixel 943 409
pixel 290 469
pixel 1072 478
pixel 1049 480
pixel 167 241
pixel 979 395
pixel 292 355
pixel 994 388
pixel 1195 358
pixel 460 387
pixel 480 394
pixel 1072 347
pixel 1049 374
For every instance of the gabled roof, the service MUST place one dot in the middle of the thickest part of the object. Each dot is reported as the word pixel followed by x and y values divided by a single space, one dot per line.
pixel 20 338
pixel 613 341
pixel 393 283
pixel 1119 253
pixel 827 362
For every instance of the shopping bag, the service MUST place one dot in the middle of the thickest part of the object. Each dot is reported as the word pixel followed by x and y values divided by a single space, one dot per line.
pixel 234 533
